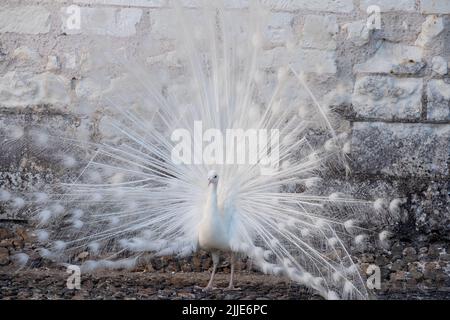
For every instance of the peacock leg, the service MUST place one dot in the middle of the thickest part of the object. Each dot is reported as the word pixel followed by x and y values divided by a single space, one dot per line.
pixel 232 262
pixel 215 258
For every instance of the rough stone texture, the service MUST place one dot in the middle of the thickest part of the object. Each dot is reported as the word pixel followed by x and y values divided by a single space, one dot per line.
pixel 386 97
pixel 357 32
pixel 394 59
pixel 440 65
pixel 341 6
pixel 19 89
pixel 318 32
pixel 431 28
pixel 438 96
pixel 435 6
pixel 390 87
pixel 134 3
pixel 29 20
pixel 398 28
pixel 280 28
pixel 387 5
pixel 315 61
pixel 401 149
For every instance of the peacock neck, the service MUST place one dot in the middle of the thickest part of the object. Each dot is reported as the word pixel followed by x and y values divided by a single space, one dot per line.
pixel 211 204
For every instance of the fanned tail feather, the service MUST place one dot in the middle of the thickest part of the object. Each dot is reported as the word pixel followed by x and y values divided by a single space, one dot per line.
pixel 127 197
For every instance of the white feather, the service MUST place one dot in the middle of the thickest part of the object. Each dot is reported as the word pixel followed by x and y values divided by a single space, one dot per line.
pixel 42 235
pixel 379 205
pixel 41 197
pixel 59 245
pixel 384 235
pixel 44 216
pixel 394 205
pixel 349 225
pixel 18 203
pixel 5 195
pixel 359 239
pixel 21 259
pixel 332 295
pixel 333 241
pixel 129 196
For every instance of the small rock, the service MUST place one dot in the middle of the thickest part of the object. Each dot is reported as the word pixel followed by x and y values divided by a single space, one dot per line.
pixel 381 260
pixel 398 265
pixel 430 270
pixel 441 277
pixel 399 276
pixel 18 243
pixel 410 254
pixel 4 256
pixel 7 243
pixel 197 263
pixel 423 250
pixel 5 234
pixel 367 257
pixel 22 233
pixel 186 295
pixel 118 295
pixel 445 257
pixel 416 275
pixel 434 250
pixel 83 255
pixel 397 250
pixel 411 283
pixel 186 268
pixel 364 267
pixel 415 271
pixel 206 263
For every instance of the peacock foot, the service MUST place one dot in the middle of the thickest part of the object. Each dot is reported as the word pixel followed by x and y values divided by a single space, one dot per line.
pixel 209 289
pixel 205 289
pixel 232 288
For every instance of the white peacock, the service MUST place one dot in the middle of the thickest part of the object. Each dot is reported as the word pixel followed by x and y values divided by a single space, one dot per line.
pixel 130 199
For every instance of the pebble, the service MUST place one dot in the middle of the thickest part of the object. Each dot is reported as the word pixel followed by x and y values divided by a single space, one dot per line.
pixel 4 256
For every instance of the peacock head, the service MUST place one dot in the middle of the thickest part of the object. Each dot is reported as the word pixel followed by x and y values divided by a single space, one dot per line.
pixel 213 177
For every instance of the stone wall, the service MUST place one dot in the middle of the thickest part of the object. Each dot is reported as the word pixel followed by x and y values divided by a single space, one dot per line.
pixel 390 83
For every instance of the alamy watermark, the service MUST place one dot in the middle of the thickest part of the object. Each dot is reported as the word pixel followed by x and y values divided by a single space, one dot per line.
pixel 374 279
pixel 74 280
pixel 374 17
pixel 73 21
pixel 258 147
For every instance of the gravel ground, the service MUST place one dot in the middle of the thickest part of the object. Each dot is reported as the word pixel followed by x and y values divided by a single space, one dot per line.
pixel 51 284
pixel 407 272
